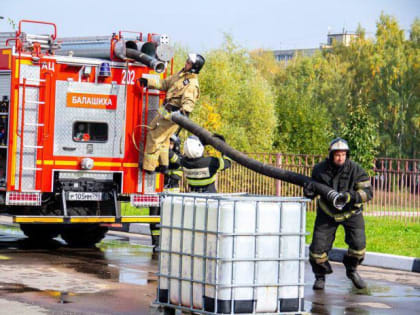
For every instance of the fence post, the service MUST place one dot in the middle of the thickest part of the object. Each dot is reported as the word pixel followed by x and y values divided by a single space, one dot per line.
pixel 278 182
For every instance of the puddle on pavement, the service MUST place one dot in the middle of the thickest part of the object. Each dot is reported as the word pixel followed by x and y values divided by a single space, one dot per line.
pixel 321 309
pixel 123 260
pixel 132 257
pixel 15 288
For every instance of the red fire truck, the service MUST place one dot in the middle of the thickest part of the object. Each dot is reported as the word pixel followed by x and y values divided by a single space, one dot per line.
pixel 73 124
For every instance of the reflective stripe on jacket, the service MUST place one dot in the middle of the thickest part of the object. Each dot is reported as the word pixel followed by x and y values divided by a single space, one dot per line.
pixel 203 171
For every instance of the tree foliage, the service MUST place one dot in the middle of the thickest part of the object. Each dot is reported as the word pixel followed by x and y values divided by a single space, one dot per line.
pixel 236 100
pixel 367 92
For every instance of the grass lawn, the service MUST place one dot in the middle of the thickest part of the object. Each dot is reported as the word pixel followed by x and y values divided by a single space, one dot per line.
pixel 383 235
pixel 127 210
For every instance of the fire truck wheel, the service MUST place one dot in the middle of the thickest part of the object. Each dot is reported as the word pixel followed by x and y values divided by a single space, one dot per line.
pixel 40 231
pixel 83 235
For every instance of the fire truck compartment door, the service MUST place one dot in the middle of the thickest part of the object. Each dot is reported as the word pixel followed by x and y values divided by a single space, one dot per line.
pixel 95 104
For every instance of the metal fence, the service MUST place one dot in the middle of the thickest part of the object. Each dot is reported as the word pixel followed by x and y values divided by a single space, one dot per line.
pixel 396 183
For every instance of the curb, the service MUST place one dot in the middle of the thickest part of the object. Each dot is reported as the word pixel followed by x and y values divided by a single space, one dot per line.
pixel 136 228
pixel 380 260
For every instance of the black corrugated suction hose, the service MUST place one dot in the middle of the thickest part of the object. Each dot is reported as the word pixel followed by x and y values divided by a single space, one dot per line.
pixel 330 194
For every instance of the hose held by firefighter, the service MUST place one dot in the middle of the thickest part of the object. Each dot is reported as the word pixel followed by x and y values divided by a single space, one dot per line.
pixel 353 184
pixel 182 93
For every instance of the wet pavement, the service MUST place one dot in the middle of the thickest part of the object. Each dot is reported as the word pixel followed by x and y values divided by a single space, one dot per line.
pixel 118 277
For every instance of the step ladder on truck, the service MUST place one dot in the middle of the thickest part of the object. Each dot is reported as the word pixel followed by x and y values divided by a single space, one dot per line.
pixel 73 125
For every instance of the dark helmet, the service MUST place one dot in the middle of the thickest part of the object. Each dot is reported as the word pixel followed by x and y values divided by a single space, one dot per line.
pixel 177 143
pixel 197 62
pixel 338 144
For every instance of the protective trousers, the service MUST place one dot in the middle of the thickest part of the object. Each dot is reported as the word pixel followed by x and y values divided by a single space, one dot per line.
pixel 323 238
pixel 156 151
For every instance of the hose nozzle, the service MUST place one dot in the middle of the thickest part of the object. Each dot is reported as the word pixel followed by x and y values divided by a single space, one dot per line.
pixel 338 199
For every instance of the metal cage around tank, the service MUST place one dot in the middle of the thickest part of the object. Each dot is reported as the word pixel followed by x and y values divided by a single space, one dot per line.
pixel 229 254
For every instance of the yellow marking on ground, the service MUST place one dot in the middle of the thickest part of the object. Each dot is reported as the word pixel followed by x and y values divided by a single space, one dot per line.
pixel 58 293
pixel 4 257
pixel 91 220
pixel 141 219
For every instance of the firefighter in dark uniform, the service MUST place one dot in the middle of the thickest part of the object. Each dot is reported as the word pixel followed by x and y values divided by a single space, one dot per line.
pixel 347 177
pixel 171 182
pixel 174 173
pixel 182 92
pixel 201 171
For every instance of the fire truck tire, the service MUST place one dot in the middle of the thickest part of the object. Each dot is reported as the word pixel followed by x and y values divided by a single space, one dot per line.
pixel 83 235
pixel 40 231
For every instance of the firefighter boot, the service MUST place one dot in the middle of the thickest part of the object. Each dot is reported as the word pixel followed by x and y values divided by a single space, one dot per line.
pixel 155 242
pixel 319 283
pixel 351 263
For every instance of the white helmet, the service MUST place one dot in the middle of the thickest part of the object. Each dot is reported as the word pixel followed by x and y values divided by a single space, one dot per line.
pixel 193 148
pixel 339 144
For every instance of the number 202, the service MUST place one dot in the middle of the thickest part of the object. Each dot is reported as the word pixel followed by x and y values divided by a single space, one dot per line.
pixel 128 77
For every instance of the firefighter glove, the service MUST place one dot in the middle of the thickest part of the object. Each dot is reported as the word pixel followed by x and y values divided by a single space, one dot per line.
pixel 143 82
pixel 164 113
pixel 309 190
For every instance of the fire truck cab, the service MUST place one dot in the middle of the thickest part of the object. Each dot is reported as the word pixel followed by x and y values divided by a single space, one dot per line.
pixel 73 124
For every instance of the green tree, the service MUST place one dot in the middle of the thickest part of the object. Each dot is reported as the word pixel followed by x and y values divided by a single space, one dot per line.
pixel 236 100
pixel 360 130
pixel 304 123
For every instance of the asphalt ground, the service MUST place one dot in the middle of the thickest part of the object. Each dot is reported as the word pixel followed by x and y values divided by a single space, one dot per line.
pixel 119 277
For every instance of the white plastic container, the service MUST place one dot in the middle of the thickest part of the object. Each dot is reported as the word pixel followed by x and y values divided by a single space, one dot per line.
pixel 232 254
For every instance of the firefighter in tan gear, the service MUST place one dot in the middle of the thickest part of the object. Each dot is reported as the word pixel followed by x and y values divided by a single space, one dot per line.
pixel 171 184
pixel 182 92
pixel 347 177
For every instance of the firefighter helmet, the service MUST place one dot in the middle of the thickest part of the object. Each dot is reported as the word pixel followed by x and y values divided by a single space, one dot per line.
pixel 338 144
pixel 197 62
pixel 193 148
pixel 177 142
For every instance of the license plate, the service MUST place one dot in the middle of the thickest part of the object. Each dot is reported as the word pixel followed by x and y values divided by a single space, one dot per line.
pixel 84 196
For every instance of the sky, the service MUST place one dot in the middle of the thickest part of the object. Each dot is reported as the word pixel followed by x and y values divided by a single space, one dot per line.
pixel 200 25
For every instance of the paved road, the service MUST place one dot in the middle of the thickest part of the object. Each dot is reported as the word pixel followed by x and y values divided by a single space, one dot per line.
pixel 118 278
